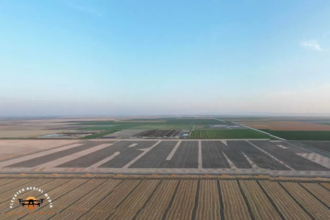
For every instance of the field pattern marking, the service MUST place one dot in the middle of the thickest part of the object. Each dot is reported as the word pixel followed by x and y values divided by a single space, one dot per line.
pixel 270 155
pixel 97 164
pixel 145 150
pixel 173 151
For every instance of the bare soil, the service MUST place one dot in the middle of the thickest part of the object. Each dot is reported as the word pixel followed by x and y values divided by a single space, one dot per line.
pixel 286 125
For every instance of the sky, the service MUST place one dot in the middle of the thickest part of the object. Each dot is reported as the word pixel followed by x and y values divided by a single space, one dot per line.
pixel 164 57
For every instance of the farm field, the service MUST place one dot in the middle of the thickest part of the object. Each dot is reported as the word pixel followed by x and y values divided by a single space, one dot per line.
pixel 26 133
pixel 227 134
pixel 163 156
pixel 321 145
pixel 285 125
pixel 15 148
pixel 302 135
pixel 111 197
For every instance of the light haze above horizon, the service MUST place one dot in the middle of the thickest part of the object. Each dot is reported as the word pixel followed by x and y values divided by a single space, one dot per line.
pixel 157 57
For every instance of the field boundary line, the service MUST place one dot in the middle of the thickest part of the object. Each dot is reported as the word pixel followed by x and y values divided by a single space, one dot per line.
pixel 193 215
pixel 70 157
pixel 145 204
pixel 128 194
pixel 271 156
pixel 231 164
pixel 282 139
pixel 324 187
pixel 169 157
pixel 171 201
pixel 314 196
pixel 246 200
pixel 200 158
pixel 294 199
pixel 100 200
pixel 253 164
pixel 271 200
pixel 99 163
pixel 145 151
pixel 222 213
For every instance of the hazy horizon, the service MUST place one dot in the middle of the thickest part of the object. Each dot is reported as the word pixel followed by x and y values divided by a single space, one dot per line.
pixel 135 58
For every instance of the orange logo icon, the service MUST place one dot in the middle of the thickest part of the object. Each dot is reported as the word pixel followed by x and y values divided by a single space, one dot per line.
pixel 30 203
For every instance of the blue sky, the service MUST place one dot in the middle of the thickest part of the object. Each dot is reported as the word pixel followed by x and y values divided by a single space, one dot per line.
pixel 147 57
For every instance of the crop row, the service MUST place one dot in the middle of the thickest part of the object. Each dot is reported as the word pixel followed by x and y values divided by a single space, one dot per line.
pixel 208 201
pixel 105 207
pixel 158 133
pixel 58 193
pixel 261 207
pixel 314 207
pixel 135 201
pixel 46 185
pixel 91 199
pixel 285 204
pixel 183 199
pixel 159 202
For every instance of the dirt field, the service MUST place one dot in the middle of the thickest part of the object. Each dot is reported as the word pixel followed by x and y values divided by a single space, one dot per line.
pixel 322 145
pixel 168 156
pixel 27 133
pixel 14 148
pixel 286 125
pixel 212 198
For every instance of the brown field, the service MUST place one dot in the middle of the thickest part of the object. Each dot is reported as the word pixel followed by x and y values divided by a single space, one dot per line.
pixel 286 125
pixel 260 205
pixel 19 128
pixel 326 185
pixel 27 133
pixel 285 204
pixel 233 201
pixel 14 148
pixel 184 199
pixel 208 199
pixel 308 201
pixel 107 197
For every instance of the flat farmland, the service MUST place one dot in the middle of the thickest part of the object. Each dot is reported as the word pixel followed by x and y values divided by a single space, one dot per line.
pixel 285 125
pixel 321 145
pixel 14 148
pixel 172 156
pixel 227 134
pixel 302 135
pixel 108 197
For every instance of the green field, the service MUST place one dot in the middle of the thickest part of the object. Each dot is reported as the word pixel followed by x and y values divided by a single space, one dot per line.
pixel 165 126
pixel 227 134
pixel 100 134
pixel 194 121
pixel 109 127
pixel 169 124
pixel 302 135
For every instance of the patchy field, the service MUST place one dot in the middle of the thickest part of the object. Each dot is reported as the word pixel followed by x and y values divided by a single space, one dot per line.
pixel 302 135
pixel 321 145
pixel 27 133
pixel 14 148
pixel 286 125
pixel 212 198
pixel 227 134
pixel 165 157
